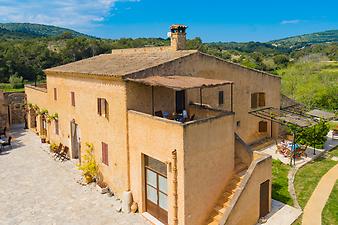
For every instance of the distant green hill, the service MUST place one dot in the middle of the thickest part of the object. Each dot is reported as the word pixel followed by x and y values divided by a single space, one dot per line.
pixel 22 30
pixel 4 33
pixel 307 39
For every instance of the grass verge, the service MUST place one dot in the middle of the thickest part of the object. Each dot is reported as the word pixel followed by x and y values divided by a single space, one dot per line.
pixel 330 211
pixel 308 176
pixel 280 190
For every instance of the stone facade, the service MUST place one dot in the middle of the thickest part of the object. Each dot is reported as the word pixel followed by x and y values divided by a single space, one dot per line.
pixel 13 108
pixel 199 156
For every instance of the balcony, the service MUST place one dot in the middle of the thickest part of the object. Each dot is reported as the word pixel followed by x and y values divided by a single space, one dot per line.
pixel 183 99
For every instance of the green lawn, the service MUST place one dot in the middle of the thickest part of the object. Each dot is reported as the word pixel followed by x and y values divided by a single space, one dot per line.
pixel 308 176
pixel 280 182
pixel 7 88
pixel 330 212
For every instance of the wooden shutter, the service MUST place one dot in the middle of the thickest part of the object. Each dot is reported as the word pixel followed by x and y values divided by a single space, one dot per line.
pixel 99 110
pixel 57 127
pixel 254 100
pixel 263 126
pixel 55 94
pixel 105 153
pixel 261 99
pixel 106 107
pixel 221 97
pixel 72 94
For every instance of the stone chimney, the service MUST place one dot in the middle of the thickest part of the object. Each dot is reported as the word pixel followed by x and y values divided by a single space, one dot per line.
pixel 178 36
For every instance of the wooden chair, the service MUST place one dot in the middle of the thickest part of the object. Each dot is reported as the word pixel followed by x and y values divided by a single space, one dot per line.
pixel 159 113
pixel 3 132
pixel 335 133
pixel 58 151
pixel 302 151
pixel 64 154
pixel 7 143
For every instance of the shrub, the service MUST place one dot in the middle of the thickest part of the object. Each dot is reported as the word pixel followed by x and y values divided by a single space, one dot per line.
pixel 88 164
pixel 16 81
pixel 53 147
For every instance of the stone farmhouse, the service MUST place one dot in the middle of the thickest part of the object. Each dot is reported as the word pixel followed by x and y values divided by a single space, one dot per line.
pixel 170 125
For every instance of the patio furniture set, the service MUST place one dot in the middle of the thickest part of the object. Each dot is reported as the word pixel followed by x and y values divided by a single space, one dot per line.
pixel 180 117
pixel 289 149
pixel 4 140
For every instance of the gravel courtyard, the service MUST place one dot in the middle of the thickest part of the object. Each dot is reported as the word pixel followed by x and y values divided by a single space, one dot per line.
pixel 35 189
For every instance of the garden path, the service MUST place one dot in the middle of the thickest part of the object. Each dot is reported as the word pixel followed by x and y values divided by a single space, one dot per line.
pixel 314 207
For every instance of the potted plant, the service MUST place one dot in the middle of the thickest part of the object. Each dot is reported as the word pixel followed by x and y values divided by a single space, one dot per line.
pixel 43 138
pixel 53 147
pixel 88 165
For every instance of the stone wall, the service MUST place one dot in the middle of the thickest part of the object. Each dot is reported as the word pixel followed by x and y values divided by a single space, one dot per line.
pixel 16 103
pixel 12 108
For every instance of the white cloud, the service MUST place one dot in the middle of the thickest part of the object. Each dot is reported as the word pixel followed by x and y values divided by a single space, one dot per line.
pixel 290 21
pixel 79 14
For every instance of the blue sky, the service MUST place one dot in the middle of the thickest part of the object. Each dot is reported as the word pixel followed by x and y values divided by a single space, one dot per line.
pixel 211 20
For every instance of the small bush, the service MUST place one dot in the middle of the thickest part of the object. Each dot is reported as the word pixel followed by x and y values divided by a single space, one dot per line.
pixel 16 81
pixel 88 164
pixel 53 147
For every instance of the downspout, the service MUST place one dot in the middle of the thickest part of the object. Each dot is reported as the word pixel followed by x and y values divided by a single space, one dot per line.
pixel 127 136
pixel 174 173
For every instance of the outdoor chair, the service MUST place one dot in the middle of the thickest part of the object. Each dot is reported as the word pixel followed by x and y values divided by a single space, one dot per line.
pixel 7 143
pixel 64 154
pixel 159 113
pixel 58 151
pixel 301 151
pixel 3 132
pixel 335 133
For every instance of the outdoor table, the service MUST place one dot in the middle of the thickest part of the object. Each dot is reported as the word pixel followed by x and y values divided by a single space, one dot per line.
pixel 293 147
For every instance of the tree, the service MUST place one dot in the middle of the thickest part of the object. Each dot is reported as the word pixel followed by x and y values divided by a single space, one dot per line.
pixel 16 81
pixel 281 60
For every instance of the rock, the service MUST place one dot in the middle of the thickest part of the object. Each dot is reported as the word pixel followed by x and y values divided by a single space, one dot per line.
pixel 133 207
pixel 127 201
pixel 105 190
pixel 118 208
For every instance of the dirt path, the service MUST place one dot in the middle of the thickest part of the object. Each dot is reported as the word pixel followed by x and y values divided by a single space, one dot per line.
pixel 314 207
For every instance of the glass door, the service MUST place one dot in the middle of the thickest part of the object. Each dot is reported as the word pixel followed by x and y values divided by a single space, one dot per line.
pixel 156 194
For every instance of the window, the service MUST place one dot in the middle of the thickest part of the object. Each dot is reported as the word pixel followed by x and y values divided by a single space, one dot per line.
pixel 220 97
pixel 257 100
pixel 102 107
pixel 72 96
pixel 56 127
pixel 263 126
pixel 105 153
pixel 238 123
pixel 55 94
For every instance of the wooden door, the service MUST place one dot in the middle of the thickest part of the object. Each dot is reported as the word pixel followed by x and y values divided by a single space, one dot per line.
pixel 180 101
pixel 156 187
pixel 264 198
